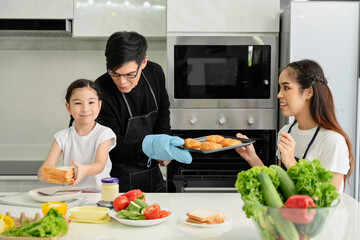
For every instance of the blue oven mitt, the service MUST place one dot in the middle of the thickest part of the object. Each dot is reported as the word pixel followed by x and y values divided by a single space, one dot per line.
pixel 164 147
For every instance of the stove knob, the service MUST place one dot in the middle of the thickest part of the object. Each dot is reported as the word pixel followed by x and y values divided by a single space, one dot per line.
pixel 222 120
pixel 251 120
pixel 193 120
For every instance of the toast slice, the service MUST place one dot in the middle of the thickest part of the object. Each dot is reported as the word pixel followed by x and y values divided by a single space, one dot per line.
pixel 205 216
pixel 59 175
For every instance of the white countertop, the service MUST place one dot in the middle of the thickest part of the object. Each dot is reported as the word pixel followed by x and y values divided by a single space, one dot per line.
pixel 345 223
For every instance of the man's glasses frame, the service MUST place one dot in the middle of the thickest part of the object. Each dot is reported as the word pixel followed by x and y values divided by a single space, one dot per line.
pixel 127 76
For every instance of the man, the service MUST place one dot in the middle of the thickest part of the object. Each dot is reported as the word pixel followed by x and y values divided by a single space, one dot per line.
pixel 136 108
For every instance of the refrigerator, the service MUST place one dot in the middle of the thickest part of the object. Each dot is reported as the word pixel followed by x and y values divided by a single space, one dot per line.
pixel 328 32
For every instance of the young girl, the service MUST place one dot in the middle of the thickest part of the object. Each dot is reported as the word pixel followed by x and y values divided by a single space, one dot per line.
pixel 315 133
pixel 86 144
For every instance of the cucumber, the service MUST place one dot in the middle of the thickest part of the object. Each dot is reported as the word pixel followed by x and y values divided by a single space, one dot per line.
pixel 271 196
pixel 133 207
pixel 287 186
pixel 141 203
pixel 286 228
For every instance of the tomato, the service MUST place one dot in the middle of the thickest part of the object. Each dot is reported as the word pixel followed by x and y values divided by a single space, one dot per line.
pixel 152 212
pixel 120 203
pixel 164 213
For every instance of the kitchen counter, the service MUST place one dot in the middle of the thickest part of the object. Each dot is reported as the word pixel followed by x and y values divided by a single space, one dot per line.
pixel 344 224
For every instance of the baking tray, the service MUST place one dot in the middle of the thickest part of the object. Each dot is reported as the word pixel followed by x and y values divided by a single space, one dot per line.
pixel 245 142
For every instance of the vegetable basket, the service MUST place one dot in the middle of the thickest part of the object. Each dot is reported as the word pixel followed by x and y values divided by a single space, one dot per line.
pixel 291 223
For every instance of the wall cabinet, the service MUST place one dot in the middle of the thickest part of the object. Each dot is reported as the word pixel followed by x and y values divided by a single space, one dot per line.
pixel 226 16
pixel 36 9
pixel 98 18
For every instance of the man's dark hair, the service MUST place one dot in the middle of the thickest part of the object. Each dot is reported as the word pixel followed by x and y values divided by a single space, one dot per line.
pixel 123 47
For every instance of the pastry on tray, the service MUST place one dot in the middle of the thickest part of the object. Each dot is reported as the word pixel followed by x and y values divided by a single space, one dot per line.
pixel 227 142
pixel 209 146
pixel 192 143
pixel 214 138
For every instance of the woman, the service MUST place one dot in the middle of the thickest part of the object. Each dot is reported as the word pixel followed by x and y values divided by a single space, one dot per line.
pixel 315 133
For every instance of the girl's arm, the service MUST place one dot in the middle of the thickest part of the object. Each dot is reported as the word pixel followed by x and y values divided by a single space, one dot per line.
pixel 337 180
pixel 51 159
pixel 98 166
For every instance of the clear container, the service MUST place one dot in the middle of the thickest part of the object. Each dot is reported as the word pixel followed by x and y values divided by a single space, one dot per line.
pixel 109 189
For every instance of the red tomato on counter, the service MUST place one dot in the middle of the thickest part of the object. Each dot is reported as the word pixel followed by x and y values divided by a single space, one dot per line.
pixel 120 203
pixel 152 212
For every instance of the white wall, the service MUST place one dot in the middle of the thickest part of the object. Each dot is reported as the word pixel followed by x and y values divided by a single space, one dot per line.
pixel 34 75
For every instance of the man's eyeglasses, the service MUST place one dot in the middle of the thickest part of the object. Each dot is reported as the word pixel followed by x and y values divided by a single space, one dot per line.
pixel 127 76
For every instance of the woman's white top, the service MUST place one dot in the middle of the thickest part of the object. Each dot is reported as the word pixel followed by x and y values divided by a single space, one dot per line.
pixel 329 147
pixel 83 149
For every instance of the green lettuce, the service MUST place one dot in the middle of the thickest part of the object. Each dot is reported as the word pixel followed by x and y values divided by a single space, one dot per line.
pixel 249 188
pixel 312 179
pixel 53 224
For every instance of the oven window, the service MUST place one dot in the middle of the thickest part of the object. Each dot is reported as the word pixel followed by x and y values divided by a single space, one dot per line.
pixel 222 72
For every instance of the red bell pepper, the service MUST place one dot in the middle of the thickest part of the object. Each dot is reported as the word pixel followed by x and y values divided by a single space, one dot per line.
pixel 134 194
pixel 300 212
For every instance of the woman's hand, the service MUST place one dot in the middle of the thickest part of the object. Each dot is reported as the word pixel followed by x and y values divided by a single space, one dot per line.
pixel 248 153
pixel 286 147
pixel 81 172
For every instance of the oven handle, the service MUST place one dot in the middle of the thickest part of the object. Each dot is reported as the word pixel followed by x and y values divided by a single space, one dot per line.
pixel 210 189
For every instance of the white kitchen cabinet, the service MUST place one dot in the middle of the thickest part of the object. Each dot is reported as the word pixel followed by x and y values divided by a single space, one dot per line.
pixel 226 16
pixel 36 9
pixel 98 18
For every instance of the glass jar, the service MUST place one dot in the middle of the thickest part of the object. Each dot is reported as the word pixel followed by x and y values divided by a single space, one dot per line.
pixel 109 188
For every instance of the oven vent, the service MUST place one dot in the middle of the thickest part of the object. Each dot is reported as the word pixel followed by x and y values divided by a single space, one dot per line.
pixel 44 28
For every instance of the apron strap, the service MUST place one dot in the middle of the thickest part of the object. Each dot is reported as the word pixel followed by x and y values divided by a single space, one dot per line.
pixel 311 142
pixel 152 93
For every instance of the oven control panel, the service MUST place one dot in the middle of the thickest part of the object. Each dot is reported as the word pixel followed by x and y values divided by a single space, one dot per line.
pixel 223 119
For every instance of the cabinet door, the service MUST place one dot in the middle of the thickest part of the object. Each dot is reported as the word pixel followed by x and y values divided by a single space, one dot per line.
pixel 36 9
pixel 99 18
pixel 224 16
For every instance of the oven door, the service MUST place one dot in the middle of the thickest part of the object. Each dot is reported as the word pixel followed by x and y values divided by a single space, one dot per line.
pixel 225 71
pixel 217 172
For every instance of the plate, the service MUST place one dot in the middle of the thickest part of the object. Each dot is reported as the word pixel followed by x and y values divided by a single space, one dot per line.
pixel 245 142
pixel 58 197
pixel 104 220
pixel 136 223
pixel 226 222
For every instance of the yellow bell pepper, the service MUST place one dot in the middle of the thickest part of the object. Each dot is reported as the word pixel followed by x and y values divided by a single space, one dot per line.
pixel 60 206
pixel 5 223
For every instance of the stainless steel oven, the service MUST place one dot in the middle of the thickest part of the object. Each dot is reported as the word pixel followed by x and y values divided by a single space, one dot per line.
pixel 222 71
pixel 221 85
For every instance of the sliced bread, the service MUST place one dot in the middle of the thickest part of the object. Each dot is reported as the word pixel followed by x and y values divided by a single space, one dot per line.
pixel 205 216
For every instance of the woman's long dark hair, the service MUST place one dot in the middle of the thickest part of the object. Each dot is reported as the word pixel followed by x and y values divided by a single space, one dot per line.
pixel 308 73
pixel 81 83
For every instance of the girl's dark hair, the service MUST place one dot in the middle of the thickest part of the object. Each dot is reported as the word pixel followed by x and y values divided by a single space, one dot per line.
pixel 123 47
pixel 308 73
pixel 81 83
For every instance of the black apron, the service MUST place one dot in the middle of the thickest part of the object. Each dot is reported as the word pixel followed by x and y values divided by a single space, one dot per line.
pixel 148 179
pixel 310 143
